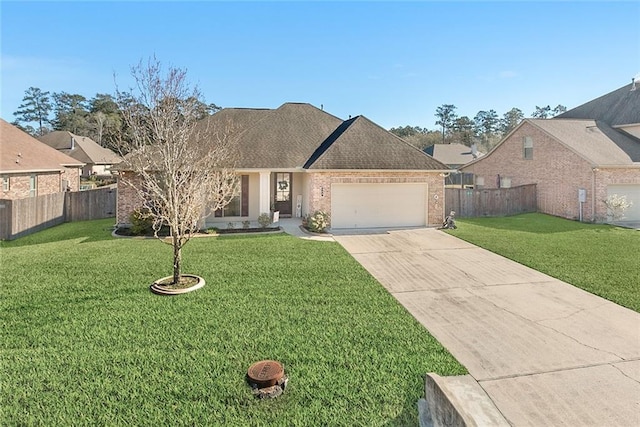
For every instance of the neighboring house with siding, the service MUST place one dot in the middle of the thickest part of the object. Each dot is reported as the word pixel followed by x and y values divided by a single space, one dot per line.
pixel 576 160
pixel 97 159
pixel 298 159
pixel 29 168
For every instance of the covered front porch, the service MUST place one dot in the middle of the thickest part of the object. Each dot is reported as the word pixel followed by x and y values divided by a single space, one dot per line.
pixel 264 191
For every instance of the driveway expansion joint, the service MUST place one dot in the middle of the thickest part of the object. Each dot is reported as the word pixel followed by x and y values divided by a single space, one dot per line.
pixel 549 371
pixel 624 373
pixel 578 311
pixel 576 340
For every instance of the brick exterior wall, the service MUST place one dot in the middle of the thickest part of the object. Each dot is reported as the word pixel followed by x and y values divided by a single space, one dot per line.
pixel 557 171
pixel 319 188
pixel 128 198
pixel 72 175
pixel 319 191
pixel 612 176
pixel 46 183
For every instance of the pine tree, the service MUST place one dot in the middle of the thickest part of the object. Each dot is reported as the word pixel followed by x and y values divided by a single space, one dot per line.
pixel 36 107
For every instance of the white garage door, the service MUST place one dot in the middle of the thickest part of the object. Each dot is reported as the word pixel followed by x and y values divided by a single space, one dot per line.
pixel 378 205
pixel 633 195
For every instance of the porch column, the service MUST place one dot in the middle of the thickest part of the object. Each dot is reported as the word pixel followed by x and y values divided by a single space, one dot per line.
pixel 265 190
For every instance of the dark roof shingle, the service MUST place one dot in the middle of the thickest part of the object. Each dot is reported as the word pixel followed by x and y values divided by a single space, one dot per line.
pixel 620 107
pixel 280 138
pixel 361 144
pixel 297 135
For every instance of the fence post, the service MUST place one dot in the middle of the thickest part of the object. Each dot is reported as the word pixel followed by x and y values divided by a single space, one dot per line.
pixel 6 223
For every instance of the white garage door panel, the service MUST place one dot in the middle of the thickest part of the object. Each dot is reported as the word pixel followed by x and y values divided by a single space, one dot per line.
pixel 378 205
pixel 633 195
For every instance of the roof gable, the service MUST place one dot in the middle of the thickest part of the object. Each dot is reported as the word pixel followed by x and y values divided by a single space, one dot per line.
pixel 617 108
pixel 23 153
pixel 281 138
pixel 595 141
pixel 359 143
pixel 81 148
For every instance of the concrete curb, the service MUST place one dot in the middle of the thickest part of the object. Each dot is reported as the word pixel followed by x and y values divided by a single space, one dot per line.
pixel 457 401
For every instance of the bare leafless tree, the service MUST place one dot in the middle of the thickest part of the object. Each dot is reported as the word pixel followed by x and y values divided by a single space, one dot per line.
pixel 180 166
pixel 99 124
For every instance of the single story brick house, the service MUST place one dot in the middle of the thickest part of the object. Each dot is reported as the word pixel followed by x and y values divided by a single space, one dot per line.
pixel 98 160
pixel 576 159
pixel 298 159
pixel 29 168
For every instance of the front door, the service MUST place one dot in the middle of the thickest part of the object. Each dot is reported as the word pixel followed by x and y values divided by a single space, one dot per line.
pixel 282 193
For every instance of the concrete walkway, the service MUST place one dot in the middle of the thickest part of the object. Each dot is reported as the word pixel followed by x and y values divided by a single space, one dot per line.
pixel 293 226
pixel 546 353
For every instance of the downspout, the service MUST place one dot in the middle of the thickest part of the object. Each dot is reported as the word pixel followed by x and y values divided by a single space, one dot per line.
pixel 428 202
pixel 593 194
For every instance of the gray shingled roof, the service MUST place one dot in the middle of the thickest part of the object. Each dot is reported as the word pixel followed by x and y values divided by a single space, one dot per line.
pixel 452 154
pixel 286 137
pixel 594 140
pixel 20 152
pixel 281 138
pixel 620 107
pixel 361 144
pixel 85 149
pixel 299 135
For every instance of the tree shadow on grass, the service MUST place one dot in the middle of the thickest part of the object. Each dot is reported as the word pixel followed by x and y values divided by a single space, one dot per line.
pixel 88 231
pixel 537 223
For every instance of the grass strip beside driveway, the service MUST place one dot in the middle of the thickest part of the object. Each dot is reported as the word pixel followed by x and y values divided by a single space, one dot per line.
pixel 601 259
pixel 84 341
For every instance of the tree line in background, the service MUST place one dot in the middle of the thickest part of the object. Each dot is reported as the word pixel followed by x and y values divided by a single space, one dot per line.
pixel 100 118
pixel 485 130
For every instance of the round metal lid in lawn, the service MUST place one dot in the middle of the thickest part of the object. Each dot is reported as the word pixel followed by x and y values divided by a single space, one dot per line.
pixel 265 373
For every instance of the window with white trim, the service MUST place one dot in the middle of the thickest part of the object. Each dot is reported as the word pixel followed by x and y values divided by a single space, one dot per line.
pixel 527 149
pixel 33 186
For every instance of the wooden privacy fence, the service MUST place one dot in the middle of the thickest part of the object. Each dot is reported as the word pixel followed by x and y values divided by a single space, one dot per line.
pixel 467 202
pixel 25 216
pixel 91 204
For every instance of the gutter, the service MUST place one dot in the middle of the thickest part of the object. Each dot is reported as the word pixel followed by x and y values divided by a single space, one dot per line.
pixel 634 165
pixel 23 171
pixel 300 169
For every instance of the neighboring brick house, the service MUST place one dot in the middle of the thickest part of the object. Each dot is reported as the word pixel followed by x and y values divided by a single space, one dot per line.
pixel 29 168
pixel 97 159
pixel 576 160
pixel 297 159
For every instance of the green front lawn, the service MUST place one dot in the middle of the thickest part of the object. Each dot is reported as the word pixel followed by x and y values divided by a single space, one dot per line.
pixel 84 341
pixel 600 259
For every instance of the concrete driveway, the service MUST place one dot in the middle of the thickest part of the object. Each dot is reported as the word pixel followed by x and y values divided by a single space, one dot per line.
pixel 545 352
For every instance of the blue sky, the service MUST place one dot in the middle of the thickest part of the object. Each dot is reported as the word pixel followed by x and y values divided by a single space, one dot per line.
pixel 394 62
